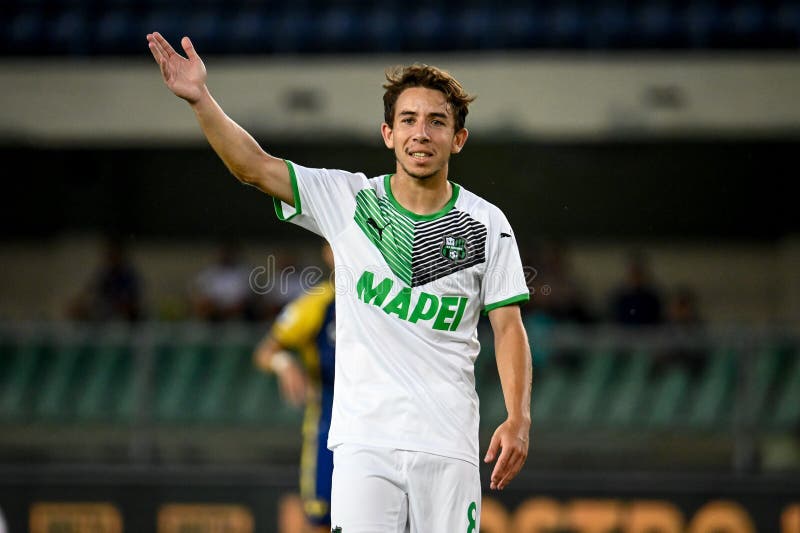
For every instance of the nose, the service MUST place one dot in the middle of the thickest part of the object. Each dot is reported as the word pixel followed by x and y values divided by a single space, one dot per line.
pixel 420 133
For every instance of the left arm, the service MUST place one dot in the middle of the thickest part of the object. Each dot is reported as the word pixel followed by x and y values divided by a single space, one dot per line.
pixel 514 366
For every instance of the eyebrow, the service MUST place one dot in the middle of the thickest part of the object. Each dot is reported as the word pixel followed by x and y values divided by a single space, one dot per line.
pixel 435 114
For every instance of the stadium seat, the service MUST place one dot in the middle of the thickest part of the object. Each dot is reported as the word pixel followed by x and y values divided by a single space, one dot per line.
pixel 711 402
pixel 246 31
pixel 702 21
pixel 566 26
pixel 169 22
pixel 665 405
pixel 125 399
pixel 381 30
pixel 15 390
pixel 260 403
pixel 204 25
pixel 786 411
pixel 94 395
pixel 226 362
pixel 588 390
pixel 179 371
pixel 84 27
pixel 785 25
pixel 68 33
pixel 427 29
pixel 658 26
pixel 53 399
pixel 765 367
pixel 550 390
pixel 338 28
pixel 627 396
pixel 609 26
pixel 117 30
pixel 292 31
pixel 475 28
pixel 746 24
pixel 25 33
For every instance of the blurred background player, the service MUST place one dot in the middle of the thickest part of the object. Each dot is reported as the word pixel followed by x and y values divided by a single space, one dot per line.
pixel 637 301
pixel 307 326
pixel 221 290
pixel 113 292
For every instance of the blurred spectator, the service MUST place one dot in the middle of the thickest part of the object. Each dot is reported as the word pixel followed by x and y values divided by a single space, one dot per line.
pixel 114 290
pixel 556 298
pixel 282 283
pixel 221 291
pixel 557 293
pixel 682 308
pixel 637 301
pixel 686 344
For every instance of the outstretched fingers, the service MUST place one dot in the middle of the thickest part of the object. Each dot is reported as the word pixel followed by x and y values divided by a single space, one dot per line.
pixel 166 49
pixel 188 47
pixel 155 50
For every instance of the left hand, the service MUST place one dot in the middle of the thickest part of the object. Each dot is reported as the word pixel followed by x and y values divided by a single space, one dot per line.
pixel 511 440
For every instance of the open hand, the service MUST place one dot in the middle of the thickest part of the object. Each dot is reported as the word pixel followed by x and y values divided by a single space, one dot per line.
pixel 512 438
pixel 185 76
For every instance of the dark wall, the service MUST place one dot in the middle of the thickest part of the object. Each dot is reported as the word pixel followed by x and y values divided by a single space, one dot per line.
pixel 659 190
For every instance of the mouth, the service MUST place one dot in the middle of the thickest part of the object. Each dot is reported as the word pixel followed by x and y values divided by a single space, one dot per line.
pixel 420 155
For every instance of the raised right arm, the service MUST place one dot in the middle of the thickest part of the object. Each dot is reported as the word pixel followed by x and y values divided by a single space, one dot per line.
pixel 247 161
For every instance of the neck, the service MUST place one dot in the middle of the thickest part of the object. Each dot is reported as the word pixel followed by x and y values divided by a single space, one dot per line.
pixel 421 196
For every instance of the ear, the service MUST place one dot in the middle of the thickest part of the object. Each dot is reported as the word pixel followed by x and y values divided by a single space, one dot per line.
pixel 459 139
pixel 387 134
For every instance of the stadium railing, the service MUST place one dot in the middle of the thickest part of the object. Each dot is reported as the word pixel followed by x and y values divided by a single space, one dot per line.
pixel 190 392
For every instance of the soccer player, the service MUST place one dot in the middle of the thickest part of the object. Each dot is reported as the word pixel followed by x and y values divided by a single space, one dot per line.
pixel 418 258
pixel 307 326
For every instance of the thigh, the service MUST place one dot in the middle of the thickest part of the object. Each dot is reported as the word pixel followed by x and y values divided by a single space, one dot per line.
pixel 367 494
pixel 444 494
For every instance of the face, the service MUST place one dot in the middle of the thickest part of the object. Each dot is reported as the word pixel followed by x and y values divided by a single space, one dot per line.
pixel 423 135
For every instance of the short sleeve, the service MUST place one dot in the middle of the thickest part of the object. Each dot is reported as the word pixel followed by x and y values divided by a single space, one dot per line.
pixel 324 199
pixel 294 326
pixel 504 280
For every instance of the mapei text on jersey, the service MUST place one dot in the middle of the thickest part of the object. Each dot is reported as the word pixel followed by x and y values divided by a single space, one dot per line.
pixel 443 312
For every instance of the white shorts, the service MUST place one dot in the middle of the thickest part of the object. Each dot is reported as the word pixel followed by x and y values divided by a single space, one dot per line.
pixel 383 490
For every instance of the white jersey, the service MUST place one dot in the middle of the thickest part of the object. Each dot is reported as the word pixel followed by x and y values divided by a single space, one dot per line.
pixel 409 292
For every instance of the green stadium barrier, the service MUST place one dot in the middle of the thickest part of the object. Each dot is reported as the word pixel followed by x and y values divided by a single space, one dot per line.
pixel 589 388
pixel 124 399
pixel 628 394
pixel 711 402
pixel 766 365
pixel 26 358
pixel 550 388
pixel 787 403
pixel 52 390
pixel 206 376
pixel 664 408
pixel 226 363
pixel 179 372
pixel 94 399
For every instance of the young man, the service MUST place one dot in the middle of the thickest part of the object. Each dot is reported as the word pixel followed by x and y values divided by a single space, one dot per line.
pixel 307 326
pixel 417 259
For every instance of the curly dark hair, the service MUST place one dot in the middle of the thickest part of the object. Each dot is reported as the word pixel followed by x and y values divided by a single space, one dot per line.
pixel 420 75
